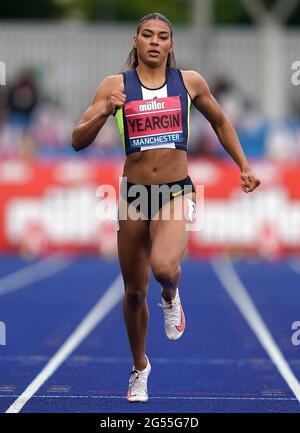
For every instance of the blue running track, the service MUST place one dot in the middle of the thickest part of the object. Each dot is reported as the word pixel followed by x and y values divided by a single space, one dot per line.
pixel 219 364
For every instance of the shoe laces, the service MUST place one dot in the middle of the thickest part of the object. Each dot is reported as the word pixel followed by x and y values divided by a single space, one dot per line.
pixel 137 381
pixel 170 311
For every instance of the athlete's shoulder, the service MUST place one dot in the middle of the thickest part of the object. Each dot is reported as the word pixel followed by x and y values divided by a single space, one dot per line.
pixel 194 82
pixel 108 85
pixel 192 75
pixel 113 80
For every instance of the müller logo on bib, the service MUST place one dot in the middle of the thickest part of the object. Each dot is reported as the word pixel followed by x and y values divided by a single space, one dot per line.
pixel 154 122
pixel 152 105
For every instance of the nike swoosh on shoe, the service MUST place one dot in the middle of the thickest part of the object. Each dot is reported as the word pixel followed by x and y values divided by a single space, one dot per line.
pixel 181 327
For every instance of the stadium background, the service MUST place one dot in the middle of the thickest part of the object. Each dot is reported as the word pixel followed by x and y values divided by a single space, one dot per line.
pixel 57 52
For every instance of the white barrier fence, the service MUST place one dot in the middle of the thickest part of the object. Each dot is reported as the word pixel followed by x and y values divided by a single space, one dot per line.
pixel 73 59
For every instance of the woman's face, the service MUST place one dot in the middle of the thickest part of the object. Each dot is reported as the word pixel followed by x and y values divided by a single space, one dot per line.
pixel 153 42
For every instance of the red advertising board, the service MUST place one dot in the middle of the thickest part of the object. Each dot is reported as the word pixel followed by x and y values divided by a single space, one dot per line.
pixel 46 206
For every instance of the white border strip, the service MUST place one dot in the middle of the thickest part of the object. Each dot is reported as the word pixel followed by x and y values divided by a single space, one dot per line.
pixel 100 397
pixel 238 293
pixel 39 271
pixel 106 303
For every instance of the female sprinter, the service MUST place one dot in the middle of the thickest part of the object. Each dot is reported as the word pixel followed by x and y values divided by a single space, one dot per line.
pixel 150 102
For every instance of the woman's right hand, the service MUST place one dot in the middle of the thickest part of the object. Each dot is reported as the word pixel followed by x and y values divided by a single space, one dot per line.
pixel 115 101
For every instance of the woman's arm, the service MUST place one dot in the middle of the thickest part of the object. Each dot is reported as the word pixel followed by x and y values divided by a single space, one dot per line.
pixel 109 95
pixel 209 107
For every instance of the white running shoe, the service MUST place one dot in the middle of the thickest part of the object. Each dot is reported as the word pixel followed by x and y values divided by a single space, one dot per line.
pixel 137 390
pixel 174 317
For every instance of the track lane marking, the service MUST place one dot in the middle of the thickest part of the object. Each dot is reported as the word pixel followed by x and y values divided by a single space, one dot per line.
pixel 295 266
pixel 238 293
pixel 105 304
pixel 122 397
pixel 34 273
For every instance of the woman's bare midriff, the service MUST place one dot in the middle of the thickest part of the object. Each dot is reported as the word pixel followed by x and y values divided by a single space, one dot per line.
pixel 156 166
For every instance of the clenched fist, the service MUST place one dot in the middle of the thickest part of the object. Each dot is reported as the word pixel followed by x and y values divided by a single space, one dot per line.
pixel 248 180
pixel 116 100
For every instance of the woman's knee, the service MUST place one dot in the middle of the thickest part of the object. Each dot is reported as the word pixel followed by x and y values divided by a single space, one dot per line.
pixel 164 269
pixel 135 295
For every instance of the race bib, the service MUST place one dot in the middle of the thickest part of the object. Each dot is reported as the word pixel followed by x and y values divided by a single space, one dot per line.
pixel 154 122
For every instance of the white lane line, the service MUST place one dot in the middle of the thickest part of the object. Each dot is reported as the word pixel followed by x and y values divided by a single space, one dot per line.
pixel 41 270
pixel 83 360
pixel 159 397
pixel 237 291
pixel 295 266
pixel 105 304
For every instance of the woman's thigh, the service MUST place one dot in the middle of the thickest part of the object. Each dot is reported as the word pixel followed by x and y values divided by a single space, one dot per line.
pixel 134 248
pixel 168 234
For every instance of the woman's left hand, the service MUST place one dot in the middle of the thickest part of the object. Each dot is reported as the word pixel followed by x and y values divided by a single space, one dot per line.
pixel 249 180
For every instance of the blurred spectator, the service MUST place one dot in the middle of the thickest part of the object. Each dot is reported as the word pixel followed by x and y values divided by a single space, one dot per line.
pixel 283 140
pixel 4 111
pixel 51 128
pixel 22 101
pixel 109 136
pixel 17 104
pixel 244 116
pixel 30 124
pixel 230 98
pixel 23 98
pixel 232 102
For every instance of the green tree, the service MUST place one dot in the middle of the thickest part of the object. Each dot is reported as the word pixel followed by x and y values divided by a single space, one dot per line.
pixel 31 9
pixel 230 12
pixel 226 12
pixel 131 10
pixel 233 12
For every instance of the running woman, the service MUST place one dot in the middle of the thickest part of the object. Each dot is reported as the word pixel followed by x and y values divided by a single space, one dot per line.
pixel 150 103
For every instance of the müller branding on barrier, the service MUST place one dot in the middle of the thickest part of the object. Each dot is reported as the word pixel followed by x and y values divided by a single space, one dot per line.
pixel 50 201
